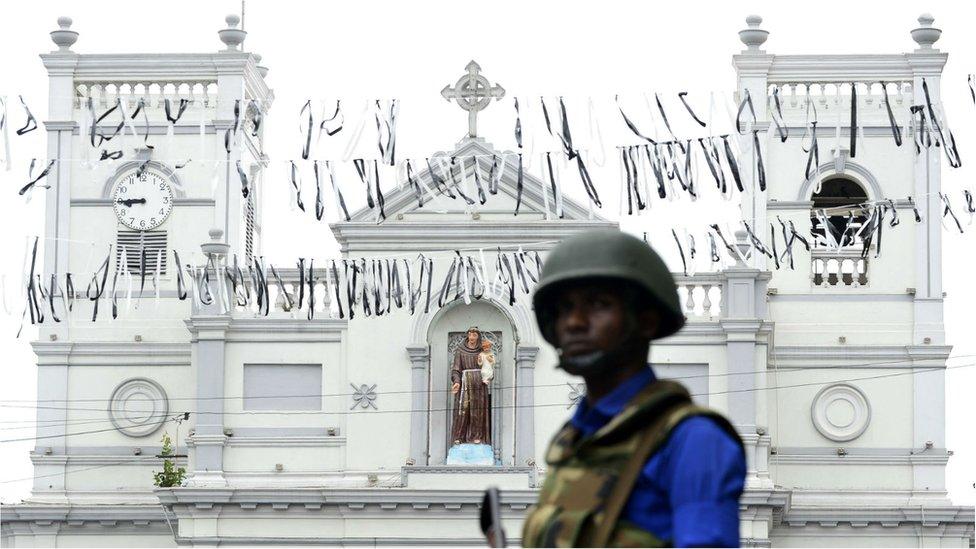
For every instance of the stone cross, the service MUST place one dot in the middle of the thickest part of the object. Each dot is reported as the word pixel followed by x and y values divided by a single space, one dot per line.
pixel 473 93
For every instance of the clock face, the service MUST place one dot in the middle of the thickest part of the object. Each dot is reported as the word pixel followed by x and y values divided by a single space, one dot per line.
pixel 142 203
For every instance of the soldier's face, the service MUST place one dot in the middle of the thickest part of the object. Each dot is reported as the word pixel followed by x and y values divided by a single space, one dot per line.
pixel 591 318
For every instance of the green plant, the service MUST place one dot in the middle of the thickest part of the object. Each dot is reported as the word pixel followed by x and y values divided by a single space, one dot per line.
pixel 170 475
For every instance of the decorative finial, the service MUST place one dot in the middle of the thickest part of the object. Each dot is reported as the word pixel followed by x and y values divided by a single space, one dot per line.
pixel 216 247
pixel 473 93
pixel 926 35
pixel 232 36
pixel 742 243
pixel 753 37
pixel 262 70
pixel 64 37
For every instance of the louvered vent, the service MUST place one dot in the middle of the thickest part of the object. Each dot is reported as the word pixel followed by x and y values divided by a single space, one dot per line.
pixel 133 242
pixel 249 229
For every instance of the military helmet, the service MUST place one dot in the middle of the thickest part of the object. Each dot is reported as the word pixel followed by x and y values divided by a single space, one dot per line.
pixel 608 253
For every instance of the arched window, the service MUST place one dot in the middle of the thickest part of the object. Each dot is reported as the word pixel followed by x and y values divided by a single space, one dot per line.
pixel 837 258
pixel 837 198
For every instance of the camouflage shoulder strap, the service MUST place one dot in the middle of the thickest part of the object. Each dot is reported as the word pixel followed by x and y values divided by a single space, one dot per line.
pixel 656 433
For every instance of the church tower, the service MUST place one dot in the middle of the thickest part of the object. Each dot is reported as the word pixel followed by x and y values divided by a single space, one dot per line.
pixel 154 154
pixel 859 352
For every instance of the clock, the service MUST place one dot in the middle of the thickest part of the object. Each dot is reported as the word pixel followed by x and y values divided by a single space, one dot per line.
pixel 142 202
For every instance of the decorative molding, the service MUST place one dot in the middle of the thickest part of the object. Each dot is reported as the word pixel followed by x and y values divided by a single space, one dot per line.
pixel 419 356
pixel 107 202
pixel 840 412
pixel 422 236
pixel 851 170
pixel 363 396
pixel 873 356
pixel 851 458
pixel 285 330
pixel 85 353
pixel 521 318
pixel 287 441
pixel 147 459
pixel 525 356
pixel 402 199
pixel 158 129
pixel 577 392
pixel 789 69
pixel 532 472
pixel 855 294
pixel 61 125
pixel 138 407
pixel 113 68
pixel 778 205
pixel 125 167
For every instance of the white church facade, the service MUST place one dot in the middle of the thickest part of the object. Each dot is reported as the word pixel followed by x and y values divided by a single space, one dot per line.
pixel 335 431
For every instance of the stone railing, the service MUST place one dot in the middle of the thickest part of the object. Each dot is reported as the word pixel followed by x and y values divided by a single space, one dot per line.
pixel 701 295
pixel 104 94
pixel 280 306
pixel 838 268
pixel 793 97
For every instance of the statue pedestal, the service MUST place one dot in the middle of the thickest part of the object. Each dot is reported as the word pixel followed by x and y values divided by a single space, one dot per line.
pixel 471 454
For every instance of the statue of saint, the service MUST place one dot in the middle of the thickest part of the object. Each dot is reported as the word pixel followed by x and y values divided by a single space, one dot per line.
pixel 471 419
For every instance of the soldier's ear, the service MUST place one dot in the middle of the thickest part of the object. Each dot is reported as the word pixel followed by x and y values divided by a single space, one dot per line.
pixel 648 323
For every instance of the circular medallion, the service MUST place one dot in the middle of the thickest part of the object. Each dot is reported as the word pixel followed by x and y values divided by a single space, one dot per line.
pixel 138 407
pixel 840 412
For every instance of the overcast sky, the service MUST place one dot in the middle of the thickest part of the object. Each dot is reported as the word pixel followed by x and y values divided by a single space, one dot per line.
pixel 410 50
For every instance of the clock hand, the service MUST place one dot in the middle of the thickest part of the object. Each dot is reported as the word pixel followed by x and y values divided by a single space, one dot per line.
pixel 130 201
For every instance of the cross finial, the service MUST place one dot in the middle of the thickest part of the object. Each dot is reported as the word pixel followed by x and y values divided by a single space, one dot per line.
pixel 473 93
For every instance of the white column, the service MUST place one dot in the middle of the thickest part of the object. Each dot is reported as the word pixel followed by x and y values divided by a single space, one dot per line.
pixel 928 233
pixel 419 415
pixel 525 404
pixel 208 337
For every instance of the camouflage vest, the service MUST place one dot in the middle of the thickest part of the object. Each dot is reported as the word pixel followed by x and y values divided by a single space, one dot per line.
pixel 590 479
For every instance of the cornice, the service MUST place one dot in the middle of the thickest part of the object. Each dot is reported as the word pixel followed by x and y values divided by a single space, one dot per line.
pixel 92 353
pixel 409 236
pixel 859 515
pixel 107 202
pixel 61 125
pixel 281 330
pixel 139 67
pixel 857 67
pixel 931 356
pixel 176 67
pixel 386 501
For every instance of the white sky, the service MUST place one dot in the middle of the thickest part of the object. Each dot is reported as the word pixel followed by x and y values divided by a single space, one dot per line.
pixel 361 50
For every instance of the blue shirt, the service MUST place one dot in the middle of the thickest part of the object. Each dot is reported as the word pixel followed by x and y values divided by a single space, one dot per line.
pixel 688 492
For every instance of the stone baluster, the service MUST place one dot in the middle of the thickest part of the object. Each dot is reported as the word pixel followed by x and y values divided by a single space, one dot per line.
pixel 706 300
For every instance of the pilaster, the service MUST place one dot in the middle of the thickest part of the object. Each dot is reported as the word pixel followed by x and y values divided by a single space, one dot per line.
pixel 209 339
pixel 525 404
pixel 419 425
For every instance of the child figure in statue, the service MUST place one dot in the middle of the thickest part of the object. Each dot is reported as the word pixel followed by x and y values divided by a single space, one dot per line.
pixel 486 359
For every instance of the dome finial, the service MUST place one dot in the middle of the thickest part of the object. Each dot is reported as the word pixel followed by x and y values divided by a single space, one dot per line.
pixel 753 36
pixel 64 37
pixel 926 35
pixel 232 36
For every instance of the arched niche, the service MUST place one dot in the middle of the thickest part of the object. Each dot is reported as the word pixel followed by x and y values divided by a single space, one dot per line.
pixel 512 389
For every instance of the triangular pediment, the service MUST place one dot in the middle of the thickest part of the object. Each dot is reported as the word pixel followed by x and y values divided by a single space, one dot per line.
pixel 401 204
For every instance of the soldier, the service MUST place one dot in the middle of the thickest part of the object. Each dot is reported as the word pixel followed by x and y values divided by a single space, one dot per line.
pixel 638 464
